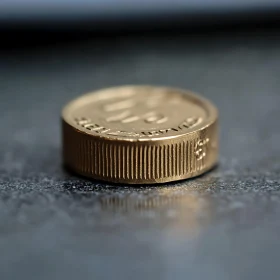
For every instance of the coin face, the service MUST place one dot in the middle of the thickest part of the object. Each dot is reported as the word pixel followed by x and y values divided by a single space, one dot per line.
pixel 139 113
pixel 140 134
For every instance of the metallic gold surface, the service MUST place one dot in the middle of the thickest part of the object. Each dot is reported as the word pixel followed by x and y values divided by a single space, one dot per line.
pixel 140 134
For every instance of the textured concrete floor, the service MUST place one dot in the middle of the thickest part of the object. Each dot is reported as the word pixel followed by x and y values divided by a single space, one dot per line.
pixel 223 225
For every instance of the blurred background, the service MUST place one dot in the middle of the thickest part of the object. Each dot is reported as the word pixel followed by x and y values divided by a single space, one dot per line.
pixel 84 11
pixel 222 225
pixel 26 22
pixel 126 14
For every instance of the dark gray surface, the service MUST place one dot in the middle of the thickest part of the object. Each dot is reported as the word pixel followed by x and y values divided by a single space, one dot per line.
pixel 223 225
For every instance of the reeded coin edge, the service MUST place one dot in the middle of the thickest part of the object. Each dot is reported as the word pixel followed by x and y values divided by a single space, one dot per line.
pixel 140 163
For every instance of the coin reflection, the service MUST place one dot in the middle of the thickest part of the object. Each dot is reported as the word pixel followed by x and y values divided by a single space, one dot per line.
pixel 180 208
pixel 182 212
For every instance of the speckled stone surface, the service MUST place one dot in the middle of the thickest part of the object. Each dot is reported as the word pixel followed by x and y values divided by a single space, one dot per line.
pixel 223 225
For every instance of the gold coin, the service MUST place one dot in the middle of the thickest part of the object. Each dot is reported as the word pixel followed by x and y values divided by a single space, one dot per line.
pixel 140 134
